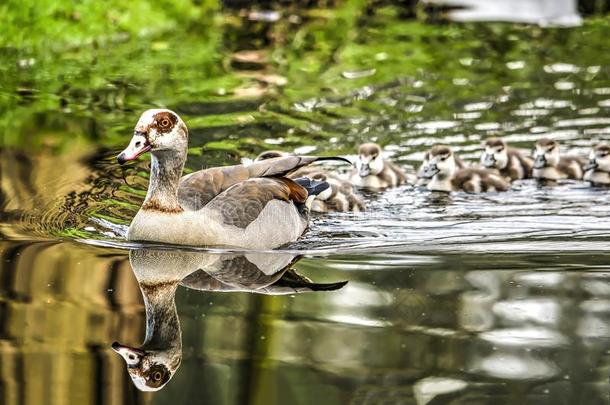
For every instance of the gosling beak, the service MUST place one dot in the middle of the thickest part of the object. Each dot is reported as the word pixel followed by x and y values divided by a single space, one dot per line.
pixel 137 146
pixel 539 162
pixel 592 165
pixel 131 355
pixel 365 170
pixel 489 160
pixel 429 171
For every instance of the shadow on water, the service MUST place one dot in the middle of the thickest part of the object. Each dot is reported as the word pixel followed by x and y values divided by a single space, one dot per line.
pixel 492 298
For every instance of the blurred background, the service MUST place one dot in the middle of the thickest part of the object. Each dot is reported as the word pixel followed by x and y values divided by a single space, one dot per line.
pixel 457 299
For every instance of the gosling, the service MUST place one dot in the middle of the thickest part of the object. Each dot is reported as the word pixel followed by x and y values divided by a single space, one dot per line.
pixel 423 181
pixel 373 171
pixel 339 197
pixel 510 162
pixel 444 175
pixel 550 165
pixel 597 171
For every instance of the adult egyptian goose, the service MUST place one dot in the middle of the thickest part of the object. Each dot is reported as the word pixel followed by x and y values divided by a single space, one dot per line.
pixel 253 206
pixel 510 162
pixel 597 171
pixel 444 175
pixel 339 197
pixel 160 272
pixel 550 165
pixel 373 171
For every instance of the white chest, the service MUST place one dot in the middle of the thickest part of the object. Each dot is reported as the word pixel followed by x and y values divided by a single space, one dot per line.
pixel 597 177
pixel 373 182
pixel 549 173
pixel 439 185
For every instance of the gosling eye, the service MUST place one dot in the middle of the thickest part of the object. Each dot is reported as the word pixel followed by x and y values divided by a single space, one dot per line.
pixel 443 158
pixel 500 150
pixel 138 144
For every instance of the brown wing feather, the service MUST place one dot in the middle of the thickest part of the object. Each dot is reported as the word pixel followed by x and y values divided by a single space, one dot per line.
pixel 243 202
pixel 199 188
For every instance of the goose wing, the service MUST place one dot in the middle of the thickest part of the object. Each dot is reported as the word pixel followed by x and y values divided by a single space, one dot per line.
pixel 198 189
pixel 243 202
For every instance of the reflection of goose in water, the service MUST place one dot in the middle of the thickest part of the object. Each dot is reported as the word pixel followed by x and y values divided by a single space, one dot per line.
pixel 159 272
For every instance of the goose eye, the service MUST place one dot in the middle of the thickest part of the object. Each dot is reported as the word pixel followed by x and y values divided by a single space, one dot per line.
pixel 157 376
pixel 164 123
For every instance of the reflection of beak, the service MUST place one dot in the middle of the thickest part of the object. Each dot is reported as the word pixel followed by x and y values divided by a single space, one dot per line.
pixel 131 355
pixel 138 145
pixel 489 160
pixel 429 171
pixel 539 162
pixel 592 165
pixel 365 170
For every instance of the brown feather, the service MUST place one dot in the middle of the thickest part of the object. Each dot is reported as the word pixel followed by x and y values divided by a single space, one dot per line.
pixel 243 202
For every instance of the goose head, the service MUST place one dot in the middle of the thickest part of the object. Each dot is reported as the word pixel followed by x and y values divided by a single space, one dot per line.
pixel 440 162
pixel 149 369
pixel 157 130
pixel 546 153
pixel 370 160
pixel 599 158
pixel 495 155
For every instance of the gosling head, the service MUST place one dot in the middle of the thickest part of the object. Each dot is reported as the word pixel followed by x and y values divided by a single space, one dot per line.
pixel 495 155
pixel 157 130
pixel 546 153
pixel 150 370
pixel 439 161
pixel 599 158
pixel 370 160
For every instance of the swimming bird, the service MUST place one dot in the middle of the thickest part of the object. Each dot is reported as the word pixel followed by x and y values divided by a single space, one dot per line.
pixel 510 162
pixel 253 206
pixel 339 197
pixel 160 272
pixel 550 165
pixel 423 181
pixel 597 171
pixel 373 171
pixel 444 175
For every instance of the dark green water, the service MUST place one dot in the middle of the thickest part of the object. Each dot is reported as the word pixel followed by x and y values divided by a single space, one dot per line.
pixel 463 299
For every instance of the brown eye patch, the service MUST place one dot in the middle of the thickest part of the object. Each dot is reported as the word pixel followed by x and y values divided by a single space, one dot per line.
pixel 165 121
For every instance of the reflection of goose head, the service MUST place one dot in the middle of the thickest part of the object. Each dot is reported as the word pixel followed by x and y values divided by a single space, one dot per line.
pixel 153 364
pixel 159 272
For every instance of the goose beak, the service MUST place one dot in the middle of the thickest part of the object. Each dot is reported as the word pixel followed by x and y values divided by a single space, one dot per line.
pixel 539 162
pixel 489 160
pixel 139 144
pixel 131 355
pixel 365 170
pixel 429 171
